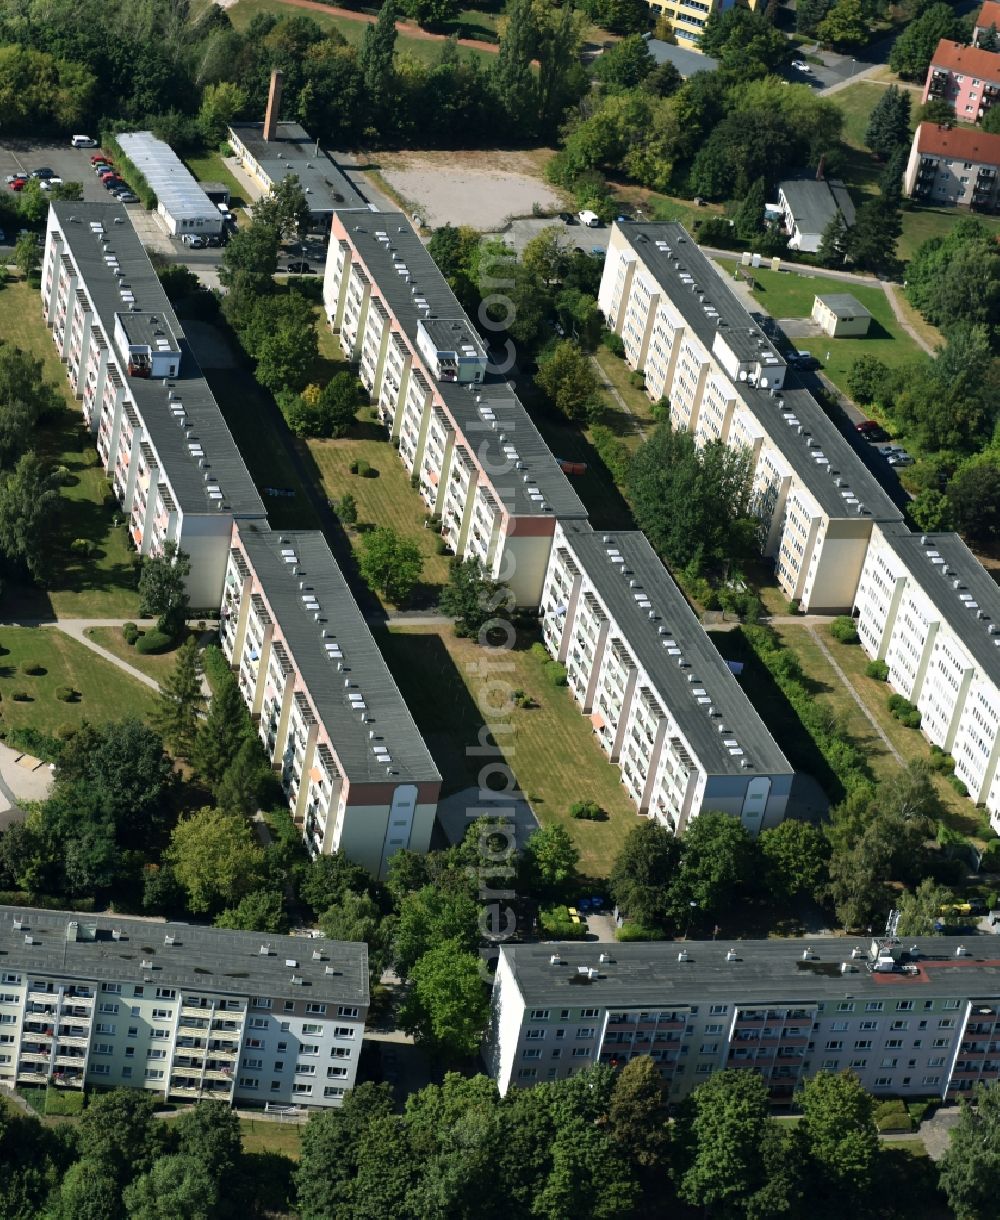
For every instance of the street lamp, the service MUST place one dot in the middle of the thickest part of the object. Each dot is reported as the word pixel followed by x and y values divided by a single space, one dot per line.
pixel 691 906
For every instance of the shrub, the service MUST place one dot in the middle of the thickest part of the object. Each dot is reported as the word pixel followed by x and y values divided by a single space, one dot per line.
pixel 637 380
pixel 793 605
pixel 63 1101
pixel 539 650
pixel 555 673
pixel 440 546
pixel 522 698
pixel 893 1116
pixel 130 632
pixel 635 931
pixel 80 546
pixel 152 642
pixel 587 811
pixel 957 784
pixel 614 343
pixel 353 468
pixel 215 667
pixel 912 719
pixel 66 694
pixel 557 923
pixel 941 762
pixel 878 670
pixel 843 628
pixel 20 696
pixel 34 669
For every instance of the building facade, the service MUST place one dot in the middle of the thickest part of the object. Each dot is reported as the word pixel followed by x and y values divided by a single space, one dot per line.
pixel 468 444
pixel 665 707
pixel 702 351
pixel 183 1011
pixel 358 776
pixel 954 165
pixel 689 17
pixel 163 442
pixel 180 200
pixel 968 78
pixel 807 206
pixel 913 1019
pixel 839 315
pixel 928 609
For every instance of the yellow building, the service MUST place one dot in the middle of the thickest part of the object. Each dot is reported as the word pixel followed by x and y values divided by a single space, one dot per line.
pixel 688 17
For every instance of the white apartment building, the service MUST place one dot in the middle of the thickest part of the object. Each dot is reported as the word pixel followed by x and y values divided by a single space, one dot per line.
pixel 162 439
pixel 358 776
pixel 183 1011
pixel 665 707
pixel 910 1019
pixel 928 609
pixel 702 351
pixel 468 444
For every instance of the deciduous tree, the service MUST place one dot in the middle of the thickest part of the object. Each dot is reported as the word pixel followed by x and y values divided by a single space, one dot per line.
pixel 550 860
pixel 215 858
pixel 643 873
pixel 795 855
pixel 447 1005
pixel 912 51
pixel 163 589
pixel 472 598
pixel 970 1167
pixel 392 565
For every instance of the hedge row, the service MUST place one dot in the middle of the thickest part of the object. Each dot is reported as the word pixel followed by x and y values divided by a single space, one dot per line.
pixel 128 171
pixel 215 666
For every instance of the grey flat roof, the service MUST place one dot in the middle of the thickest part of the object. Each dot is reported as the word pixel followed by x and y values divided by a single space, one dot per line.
pixel 180 468
pixel 168 177
pixel 815 201
pixel 453 335
pixel 200 959
pixel 656 653
pixel 293 151
pixel 977 593
pixel 381 258
pixel 844 305
pixel 765 971
pixel 743 334
pixel 149 330
pixel 686 61
pixel 362 660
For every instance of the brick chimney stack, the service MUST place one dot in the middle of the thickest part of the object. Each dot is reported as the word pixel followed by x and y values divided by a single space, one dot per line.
pixel 273 112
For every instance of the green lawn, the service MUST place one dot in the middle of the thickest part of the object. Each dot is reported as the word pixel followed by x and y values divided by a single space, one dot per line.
pixel 922 223
pixel 102 585
pixel 387 499
pixel 155 666
pixel 425 50
pixel 266 1135
pixel 104 691
pixel 551 747
pixel 210 167
pixel 788 294
pixel 617 372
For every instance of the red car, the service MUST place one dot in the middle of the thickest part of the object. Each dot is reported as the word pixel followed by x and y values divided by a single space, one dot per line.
pixel 18 184
pixel 871 430
pixel 100 157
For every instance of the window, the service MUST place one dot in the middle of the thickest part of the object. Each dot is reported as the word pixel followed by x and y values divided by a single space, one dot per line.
pixel 101 1069
pixel 312 1029
pixel 936 1061
pixel 138 990
pixel 258 1022
pixel 591 1012
pixel 900 1025
pixel 534 1034
pixel 104 1048
pixel 865 1044
pixel 254 1044
pixel 893 1044
pixel 713 1029
pixel 285 1026
pixel 883 1082
pixel 309 1048
pixel 166 993
pixel 333 1090
pixel 527 1073
pixel 838 1027
pixel 869 1025
pixel 343 1031
pixel 134 1010
pixel 112 988
pixel 260 1001
pixel 835 1045
pixel 946 1023
pixel 279 1065
pixel 538 1014
pixel 717 1010
pixel 129 1052
pixel 531 1052
pixel 10 978
pixel 161 1014
pixel 585 1031
pixel 305 1069
pixel 253 1063
pixel 102 1027
pixel 845 1006
pixel 560 1033
pixel 564 1015
pixel 889 1063
pixel 154 1073
pixel 334 1072
pixel 127 1073
pixel 831 1065
pixel 288 1006
pixel 342 1011
pixel 156 1052
pixel 282 1046
pixel 302 1088
pixel 859 1063
pixel 941 1043
pixel 931 1080
pixel 951 1004
pixel 904 1006
pixel 873 1006
pixel 159 1033
pixel 275 1085
pixel 557 1053
pixel 708 1048
pixel 580 1052
pixel 249 1082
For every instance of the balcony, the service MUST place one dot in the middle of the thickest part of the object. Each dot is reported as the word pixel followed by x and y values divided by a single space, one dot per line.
pixel 33 1077
pixel 938 86
pixel 196 1010
pixel 184 1090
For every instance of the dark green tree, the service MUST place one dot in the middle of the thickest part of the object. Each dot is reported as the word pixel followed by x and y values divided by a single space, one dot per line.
pixel 119 1131
pixel 871 243
pixel 512 80
pixel 834 243
pixel 974 498
pixel 258 911
pixel 717 861
pixel 549 861
pixel 447 1005
pixel 643 873
pixel 391 564
pixel 920 909
pixel 625 64
pixel 250 260
pixel 954 280
pixel 163 589
pixel 377 62
pixel 26 400
pixel 285 209
pixel 794 855
pixel 970 1168
pixel 749 216
pixel 175 1188
pixel 429 917
pixel 989 40
pixel 912 51
pixel 838 1126
pixel 222 732
pixel 844 24
pixel 29 505
pixel 809 13
pixel 180 702
pixel 333 1144
pixel 473 599
pixel 889 123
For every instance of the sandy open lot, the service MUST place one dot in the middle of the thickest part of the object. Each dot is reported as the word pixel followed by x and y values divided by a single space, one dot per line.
pixel 482 189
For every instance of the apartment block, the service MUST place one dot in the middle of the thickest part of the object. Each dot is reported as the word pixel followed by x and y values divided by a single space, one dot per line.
pixel 928 609
pixel 358 776
pixel 162 439
pixel 968 78
pixel 953 165
pixel 183 1011
pixel 700 349
pixel 467 442
pixel 987 19
pixel 912 1019
pixel 688 17
pixel 665 707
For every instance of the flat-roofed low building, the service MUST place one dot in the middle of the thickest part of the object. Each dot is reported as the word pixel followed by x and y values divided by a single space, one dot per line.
pixel 357 774
pixel 841 315
pixel 186 1012
pixel 919 1018
pixel 180 199
pixel 954 165
pixel 665 707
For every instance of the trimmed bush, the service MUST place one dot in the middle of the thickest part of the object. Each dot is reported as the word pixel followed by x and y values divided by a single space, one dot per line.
pixel 941 762
pixel 215 667
pixel 440 546
pixel 555 673
pixel 958 785
pixel 614 343
pixel 539 650
pixel 793 605
pixel 557 924
pixel 130 633
pixel 66 694
pixel 843 628
pixel 20 696
pixel 877 670
pixel 34 669
pixel 153 642
pixel 80 546
pixel 635 931
pixel 587 811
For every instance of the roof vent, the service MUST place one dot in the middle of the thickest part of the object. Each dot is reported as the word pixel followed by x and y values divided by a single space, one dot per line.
pixel 264 951
pixel 807 954
pixel 290 961
pixel 605 957
pixel 555 960
pixel 146 964
pixel 731 955
pixel 961 951
pixel 169 940
pixel 683 956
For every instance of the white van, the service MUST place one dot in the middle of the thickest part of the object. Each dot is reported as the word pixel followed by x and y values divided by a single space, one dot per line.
pixel 590 219
pixel 82 142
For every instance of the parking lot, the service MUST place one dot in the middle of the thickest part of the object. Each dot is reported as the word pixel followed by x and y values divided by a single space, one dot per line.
pixel 70 164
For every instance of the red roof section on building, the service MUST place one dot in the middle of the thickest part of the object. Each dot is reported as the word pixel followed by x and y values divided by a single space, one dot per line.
pixel 958 144
pixel 989 15
pixel 970 61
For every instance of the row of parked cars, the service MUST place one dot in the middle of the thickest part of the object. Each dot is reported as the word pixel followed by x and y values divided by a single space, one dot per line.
pixel 47 179
pixel 873 432
pixel 111 180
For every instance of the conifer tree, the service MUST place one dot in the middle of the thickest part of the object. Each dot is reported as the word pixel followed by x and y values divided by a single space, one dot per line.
pixel 181 701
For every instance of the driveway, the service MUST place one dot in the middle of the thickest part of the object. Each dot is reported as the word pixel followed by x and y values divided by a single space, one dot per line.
pixel 518 233
pixel 22 779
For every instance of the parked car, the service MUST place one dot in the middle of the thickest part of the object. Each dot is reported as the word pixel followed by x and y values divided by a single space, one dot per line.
pixel 127 197
pixel 872 430
pixel 43 171
pixel 193 240
pixel 17 184
pixel 95 157
pixel 82 142
pixel 50 184
pixel 900 458
pixel 590 219
pixel 803 360
pixel 14 177
pixel 567 218
pixel 110 183
pixel 800 65
pixel 597 251
pixel 299 268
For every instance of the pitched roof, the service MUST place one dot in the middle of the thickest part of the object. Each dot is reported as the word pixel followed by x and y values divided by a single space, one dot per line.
pixel 988 15
pixel 815 201
pixel 973 61
pixel 958 143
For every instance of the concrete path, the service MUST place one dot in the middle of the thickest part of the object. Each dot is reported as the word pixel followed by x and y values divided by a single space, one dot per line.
pixel 891 291
pixel 77 627
pixel 936 1131
pixel 821 644
pixel 773 620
